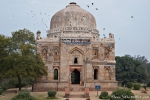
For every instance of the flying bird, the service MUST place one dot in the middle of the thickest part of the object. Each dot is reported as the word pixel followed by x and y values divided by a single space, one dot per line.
pixel 96 8
pixel 92 3
pixel 131 16
pixel 103 28
pixel 88 6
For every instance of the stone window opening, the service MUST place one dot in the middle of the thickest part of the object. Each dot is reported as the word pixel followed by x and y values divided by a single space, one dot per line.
pixel 75 60
pixel 55 74
pixel 70 23
pixel 96 52
pixel 95 74
pixel 56 53
pixel 44 52
pixel 93 37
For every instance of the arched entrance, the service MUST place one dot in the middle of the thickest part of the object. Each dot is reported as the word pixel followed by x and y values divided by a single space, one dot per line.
pixel 95 74
pixel 75 77
pixel 55 74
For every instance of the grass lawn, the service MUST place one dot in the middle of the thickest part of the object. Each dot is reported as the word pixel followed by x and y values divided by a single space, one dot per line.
pixel 10 93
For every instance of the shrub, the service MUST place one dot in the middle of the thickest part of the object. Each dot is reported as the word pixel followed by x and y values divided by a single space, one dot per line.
pixel 148 84
pixel 104 95
pixel 129 85
pixel 136 86
pixel 1 91
pixel 51 93
pixel 122 94
pixel 5 86
pixel 23 95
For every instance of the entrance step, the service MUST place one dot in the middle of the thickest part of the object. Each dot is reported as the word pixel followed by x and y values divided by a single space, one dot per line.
pixel 77 96
pixel 77 88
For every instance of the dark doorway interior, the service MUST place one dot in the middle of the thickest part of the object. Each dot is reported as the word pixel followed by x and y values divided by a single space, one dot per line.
pixel 75 77
pixel 95 74
pixel 55 74
pixel 75 60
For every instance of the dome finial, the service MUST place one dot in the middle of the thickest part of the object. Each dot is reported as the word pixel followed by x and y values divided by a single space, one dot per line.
pixel 73 3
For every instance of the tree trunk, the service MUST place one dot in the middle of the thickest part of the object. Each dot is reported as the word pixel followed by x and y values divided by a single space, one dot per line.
pixel 19 82
pixel 32 87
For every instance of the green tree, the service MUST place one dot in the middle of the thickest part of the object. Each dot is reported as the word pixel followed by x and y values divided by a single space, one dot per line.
pixel 5 45
pixel 129 69
pixel 148 72
pixel 145 64
pixel 23 61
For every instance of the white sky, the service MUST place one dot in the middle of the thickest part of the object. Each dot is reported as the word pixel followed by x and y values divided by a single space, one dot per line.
pixel 131 34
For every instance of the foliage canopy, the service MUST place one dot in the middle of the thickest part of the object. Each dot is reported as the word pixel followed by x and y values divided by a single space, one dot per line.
pixel 19 56
pixel 129 69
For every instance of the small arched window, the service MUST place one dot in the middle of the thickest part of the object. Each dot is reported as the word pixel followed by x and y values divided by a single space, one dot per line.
pixel 95 74
pixel 75 60
pixel 55 74
pixel 96 51
pixel 56 53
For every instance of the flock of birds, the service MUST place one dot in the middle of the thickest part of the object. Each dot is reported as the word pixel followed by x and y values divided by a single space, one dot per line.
pixel 97 9
pixel 42 20
pixel 45 18
pixel 92 5
pixel 32 15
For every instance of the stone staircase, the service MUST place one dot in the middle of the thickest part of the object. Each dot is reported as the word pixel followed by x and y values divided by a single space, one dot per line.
pixel 77 88
pixel 77 91
pixel 77 96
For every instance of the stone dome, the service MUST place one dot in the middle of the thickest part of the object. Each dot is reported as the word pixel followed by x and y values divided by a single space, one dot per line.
pixel 72 16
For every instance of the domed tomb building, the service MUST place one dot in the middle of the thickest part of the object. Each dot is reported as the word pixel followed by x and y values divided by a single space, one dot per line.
pixel 73 53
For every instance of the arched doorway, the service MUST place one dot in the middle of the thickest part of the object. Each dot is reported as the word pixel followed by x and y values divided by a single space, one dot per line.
pixel 75 60
pixel 95 74
pixel 55 74
pixel 75 77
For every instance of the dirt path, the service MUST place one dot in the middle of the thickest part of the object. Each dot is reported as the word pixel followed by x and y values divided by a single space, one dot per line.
pixel 10 93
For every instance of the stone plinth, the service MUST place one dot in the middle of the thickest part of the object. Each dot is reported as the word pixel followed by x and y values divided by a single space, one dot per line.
pixel 86 92
pixel 67 92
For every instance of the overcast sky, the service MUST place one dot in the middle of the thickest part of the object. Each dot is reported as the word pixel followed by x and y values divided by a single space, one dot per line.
pixel 132 35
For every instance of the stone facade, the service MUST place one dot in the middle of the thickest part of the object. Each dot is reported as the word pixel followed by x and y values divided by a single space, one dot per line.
pixel 73 46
